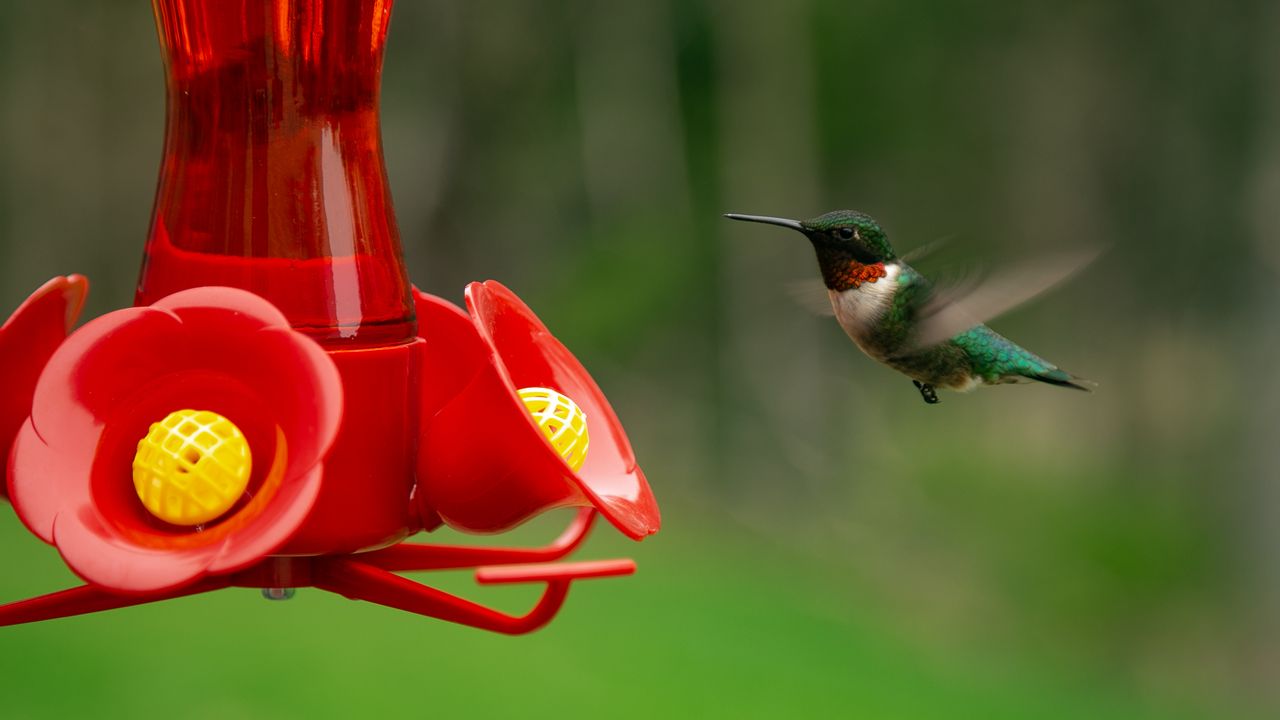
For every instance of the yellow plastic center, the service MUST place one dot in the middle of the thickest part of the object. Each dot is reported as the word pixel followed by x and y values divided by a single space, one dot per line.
pixel 192 467
pixel 561 420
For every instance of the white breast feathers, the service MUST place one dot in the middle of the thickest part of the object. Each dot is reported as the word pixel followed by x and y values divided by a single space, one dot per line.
pixel 859 308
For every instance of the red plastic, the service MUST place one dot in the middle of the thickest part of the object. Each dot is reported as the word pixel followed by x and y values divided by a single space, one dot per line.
pixel 417 556
pixel 273 292
pixel 363 577
pixel 272 178
pixel 214 349
pixel 369 474
pixel 477 363
pixel 343 480
pixel 550 572
pixel 27 340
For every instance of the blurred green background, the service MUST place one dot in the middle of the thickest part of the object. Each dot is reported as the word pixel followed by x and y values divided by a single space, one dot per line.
pixel 832 545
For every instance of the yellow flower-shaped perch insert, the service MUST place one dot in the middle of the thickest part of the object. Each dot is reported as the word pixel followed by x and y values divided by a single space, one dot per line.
pixel 561 420
pixel 192 467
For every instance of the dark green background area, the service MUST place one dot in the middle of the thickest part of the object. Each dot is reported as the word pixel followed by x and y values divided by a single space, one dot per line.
pixel 832 546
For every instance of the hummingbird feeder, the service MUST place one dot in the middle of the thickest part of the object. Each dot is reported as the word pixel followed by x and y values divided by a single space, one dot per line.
pixel 281 408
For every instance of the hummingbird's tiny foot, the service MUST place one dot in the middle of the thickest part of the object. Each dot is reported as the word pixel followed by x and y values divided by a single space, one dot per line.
pixel 927 392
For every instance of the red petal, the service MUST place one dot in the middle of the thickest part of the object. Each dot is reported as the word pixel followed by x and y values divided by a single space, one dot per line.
pixel 27 340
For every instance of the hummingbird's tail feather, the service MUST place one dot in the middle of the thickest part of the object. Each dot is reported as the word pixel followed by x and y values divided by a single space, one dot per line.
pixel 1062 378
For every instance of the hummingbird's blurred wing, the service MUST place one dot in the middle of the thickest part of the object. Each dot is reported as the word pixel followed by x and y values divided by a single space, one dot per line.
pixel 811 295
pixel 927 249
pixel 951 309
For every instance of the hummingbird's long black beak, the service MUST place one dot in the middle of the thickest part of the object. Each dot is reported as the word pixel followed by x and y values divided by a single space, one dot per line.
pixel 782 222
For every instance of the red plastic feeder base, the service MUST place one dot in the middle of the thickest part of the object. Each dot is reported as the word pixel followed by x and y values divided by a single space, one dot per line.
pixel 372 577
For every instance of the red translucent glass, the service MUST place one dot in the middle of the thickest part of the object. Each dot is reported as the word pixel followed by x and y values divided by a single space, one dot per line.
pixel 272 178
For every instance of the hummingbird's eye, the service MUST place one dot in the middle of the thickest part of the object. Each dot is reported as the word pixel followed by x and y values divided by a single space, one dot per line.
pixel 846 233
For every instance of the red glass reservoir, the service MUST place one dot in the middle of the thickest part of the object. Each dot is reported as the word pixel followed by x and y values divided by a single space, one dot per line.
pixel 272 178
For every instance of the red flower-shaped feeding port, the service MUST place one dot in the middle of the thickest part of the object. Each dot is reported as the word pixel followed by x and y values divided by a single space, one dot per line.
pixel 479 363
pixel 216 349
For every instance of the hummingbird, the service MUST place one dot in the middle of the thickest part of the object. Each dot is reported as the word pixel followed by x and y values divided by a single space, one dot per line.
pixel 931 333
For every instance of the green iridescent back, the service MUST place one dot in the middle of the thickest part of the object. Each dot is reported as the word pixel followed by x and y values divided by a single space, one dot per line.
pixel 995 358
